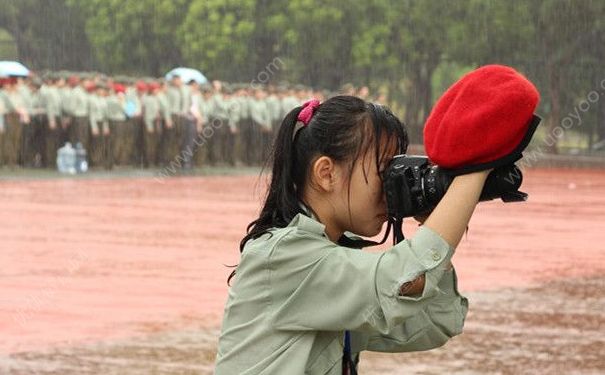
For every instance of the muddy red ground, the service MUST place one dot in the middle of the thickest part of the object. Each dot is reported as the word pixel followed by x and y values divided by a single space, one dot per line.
pixel 135 268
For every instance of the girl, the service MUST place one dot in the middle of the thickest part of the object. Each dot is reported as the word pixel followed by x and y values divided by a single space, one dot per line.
pixel 304 303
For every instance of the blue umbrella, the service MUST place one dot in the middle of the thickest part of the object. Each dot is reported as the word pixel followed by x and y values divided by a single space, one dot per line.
pixel 13 68
pixel 187 74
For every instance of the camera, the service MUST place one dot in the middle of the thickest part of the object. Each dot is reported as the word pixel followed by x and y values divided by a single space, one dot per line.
pixel 414 187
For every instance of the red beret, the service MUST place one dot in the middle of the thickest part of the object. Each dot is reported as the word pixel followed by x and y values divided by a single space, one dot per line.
pixel 141 86
pixel 8 81
pixel 153 86
pixel 119 88
pixel 90 86
pixel 483 121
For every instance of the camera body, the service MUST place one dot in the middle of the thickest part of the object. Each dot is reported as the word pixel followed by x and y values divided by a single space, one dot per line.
pixel 414 187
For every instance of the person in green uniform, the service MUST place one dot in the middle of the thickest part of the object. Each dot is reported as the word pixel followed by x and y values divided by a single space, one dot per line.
pixel 77 107
pixel 133 138
pixel 64 91
pixel 205 113
pixel 261 127
pixel 229 130
pixel 245 135
pixel 274 108
pixel 116 116
pixel 100 144
pixel 151 121
pixel 303 299
pixel 34 136
pixel 28 132
pixel 219 124
pixel 52 133
pixel 173 134
pixel 16 119
pixel 166 125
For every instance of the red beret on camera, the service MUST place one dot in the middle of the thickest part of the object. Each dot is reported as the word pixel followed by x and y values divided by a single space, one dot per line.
pixel 483 121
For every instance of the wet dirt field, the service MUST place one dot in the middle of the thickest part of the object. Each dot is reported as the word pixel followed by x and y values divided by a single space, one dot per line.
pixel 551 329
pixel 128 276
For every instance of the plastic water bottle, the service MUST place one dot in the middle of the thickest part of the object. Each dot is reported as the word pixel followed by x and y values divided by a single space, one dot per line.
pixel 81 164
pixel 70 158
pixel 61 160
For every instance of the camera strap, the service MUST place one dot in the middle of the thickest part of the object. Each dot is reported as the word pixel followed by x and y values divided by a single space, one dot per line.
pixel 397 230
pixel 359 243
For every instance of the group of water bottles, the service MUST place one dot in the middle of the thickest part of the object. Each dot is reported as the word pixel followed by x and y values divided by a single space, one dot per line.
pixel 72 160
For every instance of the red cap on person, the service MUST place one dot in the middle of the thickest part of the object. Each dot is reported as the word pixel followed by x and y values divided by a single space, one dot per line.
pixel 153 86
pixel 141 86
pixel 118 88
pixel 90 86
pixel 483 121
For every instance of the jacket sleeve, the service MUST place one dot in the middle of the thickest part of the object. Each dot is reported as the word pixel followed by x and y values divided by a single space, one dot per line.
pixel 441 319
pixel 336 288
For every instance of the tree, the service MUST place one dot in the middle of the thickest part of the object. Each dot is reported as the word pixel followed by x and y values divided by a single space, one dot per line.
pixel 216 35
pixel 48 34
pixel 134 36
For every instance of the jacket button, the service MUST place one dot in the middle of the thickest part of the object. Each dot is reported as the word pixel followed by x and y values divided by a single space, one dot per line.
pixel 436 255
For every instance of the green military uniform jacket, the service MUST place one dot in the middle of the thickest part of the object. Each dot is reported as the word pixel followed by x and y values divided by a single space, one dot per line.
pixel 151 111
pixel 97 112
pixel 115 108
pixel 175 99
pixel 296 292
pixel 220 109
pixel 205 108
pixel 164 104
pixel 274 108
pixel 78 102
pixel 27 98
pixel 234 110
pixel 52 101
pixel 260 113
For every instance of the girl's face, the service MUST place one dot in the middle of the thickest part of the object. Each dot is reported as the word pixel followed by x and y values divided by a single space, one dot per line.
pixel 362 204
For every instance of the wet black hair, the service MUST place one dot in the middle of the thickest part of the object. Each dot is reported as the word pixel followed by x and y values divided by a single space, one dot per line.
pixel 343 128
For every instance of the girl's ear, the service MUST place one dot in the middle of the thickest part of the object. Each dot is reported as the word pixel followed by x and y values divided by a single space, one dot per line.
pixel 324 173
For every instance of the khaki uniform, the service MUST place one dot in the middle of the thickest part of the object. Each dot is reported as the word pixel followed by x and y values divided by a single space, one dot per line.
pixel 13 125
pixel 133 137
pixel 151 130
pixel 52 133
pixel 261 131
pixel 79 127
pixel 117 129
pixel 296 293
pixel 100 143
pixel 173 134
pixel 34 134
pixel 167 131
pixel 275 113
pixel 219 123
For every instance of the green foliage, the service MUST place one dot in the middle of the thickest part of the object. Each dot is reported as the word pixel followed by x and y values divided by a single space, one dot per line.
pixel 134 36
pixel 216 36
pixel 8 49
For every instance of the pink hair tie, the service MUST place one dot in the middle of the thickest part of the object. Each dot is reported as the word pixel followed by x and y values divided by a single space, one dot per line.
pixel 308 110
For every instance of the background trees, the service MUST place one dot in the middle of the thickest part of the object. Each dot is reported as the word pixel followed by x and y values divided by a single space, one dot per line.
pixel 410 49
